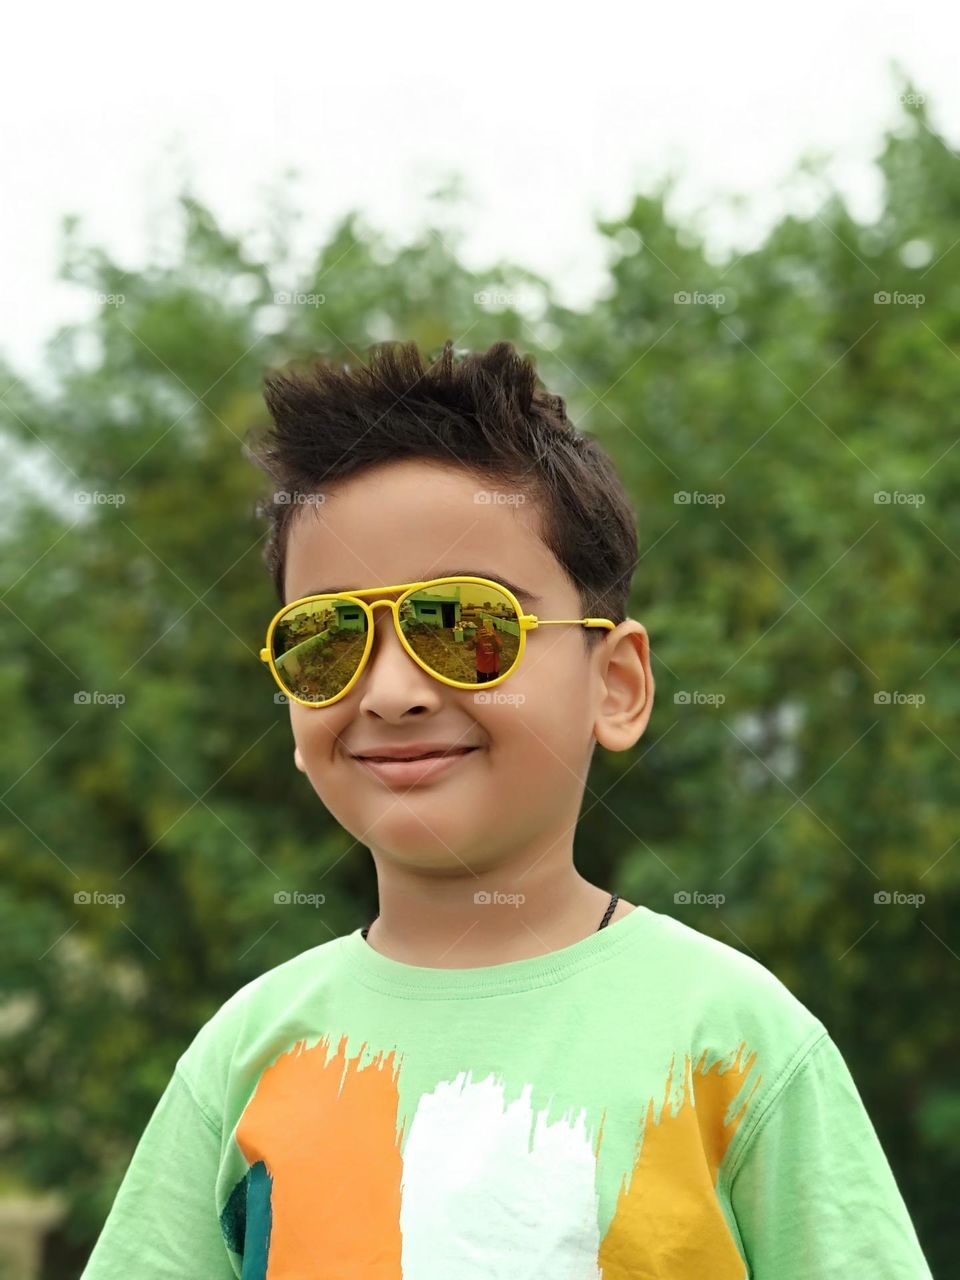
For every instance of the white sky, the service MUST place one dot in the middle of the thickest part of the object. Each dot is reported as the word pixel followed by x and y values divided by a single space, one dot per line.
pixel 551 118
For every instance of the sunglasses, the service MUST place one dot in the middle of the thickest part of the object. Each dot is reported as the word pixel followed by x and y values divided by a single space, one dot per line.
pixel 465 632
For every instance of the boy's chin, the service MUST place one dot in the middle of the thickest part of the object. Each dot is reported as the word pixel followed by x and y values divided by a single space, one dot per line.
pixel 440 859
pixel 452 846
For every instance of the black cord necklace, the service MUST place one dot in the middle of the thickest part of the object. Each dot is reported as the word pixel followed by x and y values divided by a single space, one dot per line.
pixel 614 899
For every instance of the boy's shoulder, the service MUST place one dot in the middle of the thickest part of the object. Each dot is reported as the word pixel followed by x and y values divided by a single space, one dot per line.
pixel 242 1017
pixel 706 980
pixel 682 943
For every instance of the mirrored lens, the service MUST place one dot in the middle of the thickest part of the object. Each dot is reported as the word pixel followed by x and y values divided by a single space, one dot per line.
pixel 317 647
pixel 462 630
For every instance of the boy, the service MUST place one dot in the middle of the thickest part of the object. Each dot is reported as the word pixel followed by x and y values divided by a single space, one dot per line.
pixel 511 1074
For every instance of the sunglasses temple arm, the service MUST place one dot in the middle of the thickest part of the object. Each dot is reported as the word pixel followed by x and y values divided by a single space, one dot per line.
pixel 576 622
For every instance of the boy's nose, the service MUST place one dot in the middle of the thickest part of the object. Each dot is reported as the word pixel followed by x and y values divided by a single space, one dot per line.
pixel 391 677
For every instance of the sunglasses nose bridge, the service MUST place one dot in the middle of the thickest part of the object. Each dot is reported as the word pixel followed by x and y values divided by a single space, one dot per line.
pixel 386 604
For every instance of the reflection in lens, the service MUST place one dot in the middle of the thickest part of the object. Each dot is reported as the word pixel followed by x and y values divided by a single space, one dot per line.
pixel 462 630
pixel 317 647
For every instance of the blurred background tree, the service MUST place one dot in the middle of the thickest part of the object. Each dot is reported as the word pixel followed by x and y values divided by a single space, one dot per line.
pixel 786 425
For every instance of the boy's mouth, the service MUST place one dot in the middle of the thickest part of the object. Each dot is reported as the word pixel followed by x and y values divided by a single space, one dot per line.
pixel 415 751
pixel 403 769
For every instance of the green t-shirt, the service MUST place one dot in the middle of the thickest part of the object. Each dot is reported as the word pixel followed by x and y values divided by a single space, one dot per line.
pixel 647 1102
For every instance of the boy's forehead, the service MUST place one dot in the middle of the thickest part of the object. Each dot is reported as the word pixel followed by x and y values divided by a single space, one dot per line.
pixel 409 520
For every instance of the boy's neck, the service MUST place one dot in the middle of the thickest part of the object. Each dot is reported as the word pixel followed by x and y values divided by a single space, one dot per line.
pixel 438 922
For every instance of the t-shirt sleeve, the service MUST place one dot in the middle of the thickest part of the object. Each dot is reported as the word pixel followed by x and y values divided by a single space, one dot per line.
pixel 813 1193
pixel 163 1224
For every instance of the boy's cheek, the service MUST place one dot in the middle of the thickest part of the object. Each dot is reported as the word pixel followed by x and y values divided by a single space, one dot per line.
pixel 315 734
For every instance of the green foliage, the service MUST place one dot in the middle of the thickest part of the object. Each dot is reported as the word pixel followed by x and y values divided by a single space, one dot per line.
pixel 769 774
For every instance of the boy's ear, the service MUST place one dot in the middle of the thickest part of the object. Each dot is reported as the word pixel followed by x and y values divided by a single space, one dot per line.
pixel 298 760
pixel 627 683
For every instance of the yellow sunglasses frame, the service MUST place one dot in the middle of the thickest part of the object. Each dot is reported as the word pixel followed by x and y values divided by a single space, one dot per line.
pixel 528 622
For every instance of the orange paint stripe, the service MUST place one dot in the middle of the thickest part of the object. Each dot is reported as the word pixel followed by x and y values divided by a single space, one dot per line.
pixel 326 1131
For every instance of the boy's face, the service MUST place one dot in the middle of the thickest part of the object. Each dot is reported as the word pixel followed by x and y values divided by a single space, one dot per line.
pixel 533 735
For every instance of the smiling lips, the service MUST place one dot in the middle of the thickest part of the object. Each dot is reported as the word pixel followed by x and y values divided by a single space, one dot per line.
pixel 415 751
pixel 400 767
